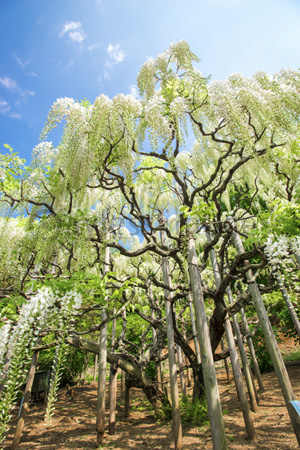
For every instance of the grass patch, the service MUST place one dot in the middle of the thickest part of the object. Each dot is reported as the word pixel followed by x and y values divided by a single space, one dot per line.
pixel 291 356
pixel 193 413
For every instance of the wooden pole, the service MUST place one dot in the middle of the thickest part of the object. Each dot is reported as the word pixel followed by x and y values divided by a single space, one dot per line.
pixel 181 372
pixel 126 397
pixel 246 366
pixel 180 363
pixel 193 323
pixel 233 354
pixel 100 420
pixel 122 346
pixel 238 378
pixel 96 361
pixel 113 383
pixel 154 332
pixel 252 351
pixel 226 363
pixel 177 427
pixel 189 381
pixel 276 356
pixel 24 405
pixel 209 374
pixel 287 300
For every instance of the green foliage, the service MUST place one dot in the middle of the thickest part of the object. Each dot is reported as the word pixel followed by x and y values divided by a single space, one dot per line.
pixel 193 412
pixel 261 349
pixel 262 352
pixel 281 217
pixel 9 308
pixel 151 370
pixel 73 366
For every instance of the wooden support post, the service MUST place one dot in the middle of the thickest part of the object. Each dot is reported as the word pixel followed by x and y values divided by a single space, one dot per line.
pixel 233 354
pixel 287 300
pixel 193 323
pixel 239 383
pixel 25 403
pixel 180 363
pixel 226 363
pixel 177 427
pixel 189 381
pixel 157 364
pixel 100 420
pixel 252 351
pixel 113 383
pixel 246 366
pixel 126 398
pixel 209 374
pixel 181 372
pixel 122 385
pixel 96 362
pixel 276 356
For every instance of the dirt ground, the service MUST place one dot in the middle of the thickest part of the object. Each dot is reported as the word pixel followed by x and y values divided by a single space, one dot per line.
pixel 73 424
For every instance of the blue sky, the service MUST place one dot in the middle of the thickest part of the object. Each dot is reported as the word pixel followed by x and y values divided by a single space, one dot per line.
pixel 81 48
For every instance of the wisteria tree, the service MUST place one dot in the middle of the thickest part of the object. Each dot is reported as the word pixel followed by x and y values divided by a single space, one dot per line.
pixel 147 180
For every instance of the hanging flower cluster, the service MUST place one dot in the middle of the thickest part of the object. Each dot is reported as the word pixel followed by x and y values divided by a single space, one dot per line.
pixel 279 250
pixel 17 347
pixel 4 339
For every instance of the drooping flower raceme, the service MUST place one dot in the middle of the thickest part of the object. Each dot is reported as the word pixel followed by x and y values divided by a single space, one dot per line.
pixel 42 309
pixel 4 339
pixel 279 249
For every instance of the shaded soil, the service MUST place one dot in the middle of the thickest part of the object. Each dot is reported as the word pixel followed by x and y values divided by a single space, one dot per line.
pixel 73 424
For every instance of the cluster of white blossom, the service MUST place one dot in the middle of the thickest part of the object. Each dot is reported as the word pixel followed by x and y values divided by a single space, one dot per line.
pixel 146 78
pixel 183 160
pixel 181 54
pixel 295 245
pixel 12 232
pixel 178 107
pixel 4 339
pixel 43 153
pixel 58 111
pixel 40 310
pixel 32 318
pixel 278 250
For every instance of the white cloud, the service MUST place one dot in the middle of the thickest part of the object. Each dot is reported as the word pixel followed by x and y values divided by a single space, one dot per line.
pixel 5 110
pixel 21 63
pixel 76 36
pixel 13 86
pixel 8 83
pixel 4 107
pixel 92 47
pixel 115 53
pixel 74 31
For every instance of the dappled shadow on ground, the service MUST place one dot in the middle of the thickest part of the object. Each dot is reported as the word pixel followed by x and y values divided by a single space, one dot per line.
pixel 73 424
